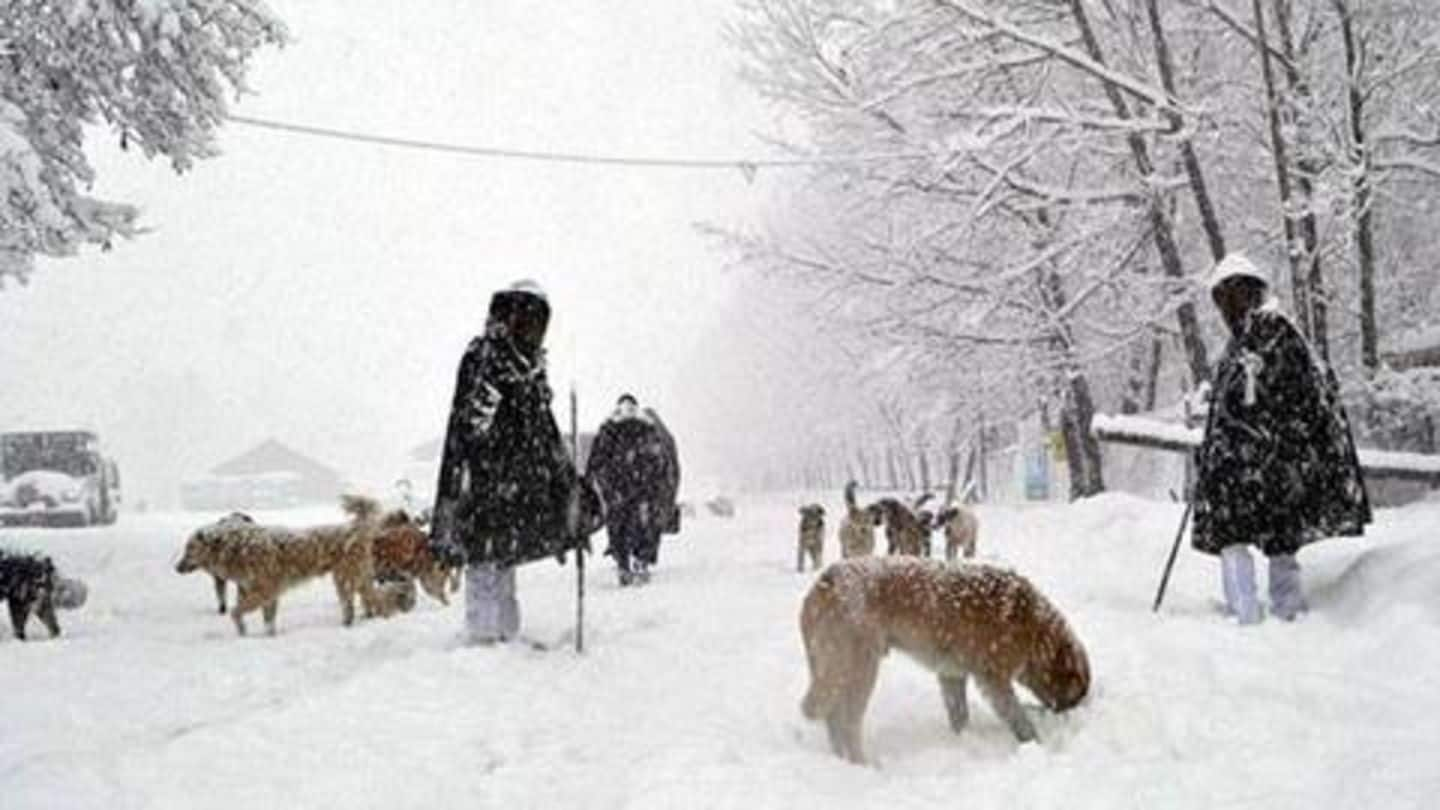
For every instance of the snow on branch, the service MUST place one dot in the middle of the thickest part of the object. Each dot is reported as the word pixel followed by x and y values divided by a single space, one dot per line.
pixel 1141 90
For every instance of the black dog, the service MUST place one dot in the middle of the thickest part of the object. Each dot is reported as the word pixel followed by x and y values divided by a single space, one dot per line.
pixel 27 582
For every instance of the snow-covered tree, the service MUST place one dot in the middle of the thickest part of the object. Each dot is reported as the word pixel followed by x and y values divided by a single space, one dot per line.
pixel 153 73
pixel 1062 172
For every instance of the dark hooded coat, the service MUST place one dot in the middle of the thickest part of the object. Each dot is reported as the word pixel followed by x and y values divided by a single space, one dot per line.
pixel 633 463
pixel 506 480
pixel 1277 467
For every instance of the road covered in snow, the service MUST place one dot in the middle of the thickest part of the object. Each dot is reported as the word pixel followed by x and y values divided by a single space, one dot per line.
pixel 687 695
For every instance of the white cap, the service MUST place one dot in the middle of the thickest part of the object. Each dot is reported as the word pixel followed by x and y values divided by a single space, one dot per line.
pixel 529 286
pixel 1236 265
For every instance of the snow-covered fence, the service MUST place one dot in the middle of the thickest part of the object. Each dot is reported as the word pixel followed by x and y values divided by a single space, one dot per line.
pixel 1157 435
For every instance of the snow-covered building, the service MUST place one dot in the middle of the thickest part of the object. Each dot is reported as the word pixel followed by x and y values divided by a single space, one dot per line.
pixel 270 475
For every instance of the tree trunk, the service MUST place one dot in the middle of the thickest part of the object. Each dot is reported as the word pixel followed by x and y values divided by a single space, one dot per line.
pixel 1208 218
pixel 1307 169
pixel 1364 216
pixel 1161 227
pixel 1279 149
pixel 952 479
pixel 924 471
pixel 1078 408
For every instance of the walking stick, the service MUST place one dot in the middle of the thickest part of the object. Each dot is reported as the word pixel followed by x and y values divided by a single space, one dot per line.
pixel 1170 563
pixel 580 539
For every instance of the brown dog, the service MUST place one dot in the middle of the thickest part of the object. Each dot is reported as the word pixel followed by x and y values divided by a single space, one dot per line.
pixel 905 533
pixel 857 530
pixel 812 536
pixel 266 561
pixel 956 621
pixel 962 531
pixel 402 550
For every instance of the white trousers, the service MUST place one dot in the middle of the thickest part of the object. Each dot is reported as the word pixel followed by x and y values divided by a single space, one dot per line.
pixel 491 611
pixel 1237 577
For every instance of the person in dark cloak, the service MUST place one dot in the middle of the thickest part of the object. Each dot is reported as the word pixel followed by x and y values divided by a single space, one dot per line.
pixel 507 491
pixel 630 464
pixel 1277 468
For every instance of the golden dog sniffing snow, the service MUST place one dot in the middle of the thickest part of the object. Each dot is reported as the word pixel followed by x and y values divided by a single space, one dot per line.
pixel 956 620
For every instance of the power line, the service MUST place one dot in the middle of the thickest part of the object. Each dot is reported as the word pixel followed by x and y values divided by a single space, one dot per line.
pixel 746 165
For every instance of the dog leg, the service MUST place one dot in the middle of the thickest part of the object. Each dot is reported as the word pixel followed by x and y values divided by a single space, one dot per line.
pixel 347 601
pixel 1001 696
pixel 19 614
pixel 958 709
pixel 46 612
pixel 219 592
pixel 269 611
pixel 852 706
pixel 249 599
pixel 800 558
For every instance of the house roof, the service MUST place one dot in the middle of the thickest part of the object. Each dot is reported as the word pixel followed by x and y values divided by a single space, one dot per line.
pixel 271 456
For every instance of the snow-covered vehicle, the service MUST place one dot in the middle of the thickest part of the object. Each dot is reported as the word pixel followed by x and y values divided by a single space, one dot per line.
pixel 57 478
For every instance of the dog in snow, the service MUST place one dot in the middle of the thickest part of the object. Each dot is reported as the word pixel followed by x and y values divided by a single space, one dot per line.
pixel 402 550
pixel 857 528
pixel 265 561
pixel 28 583
pixel 962 530
pixel 812 537
pixel 958 621
pixel 905 533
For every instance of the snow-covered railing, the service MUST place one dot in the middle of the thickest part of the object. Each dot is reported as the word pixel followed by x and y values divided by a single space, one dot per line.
pixel 1158 435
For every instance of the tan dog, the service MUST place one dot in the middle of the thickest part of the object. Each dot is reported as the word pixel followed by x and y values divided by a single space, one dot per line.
pixel 812 537
pixel 266 561
pixel 857 530
pixel 956 621
pixel 905 533
pixel 402 550
pixel 962 531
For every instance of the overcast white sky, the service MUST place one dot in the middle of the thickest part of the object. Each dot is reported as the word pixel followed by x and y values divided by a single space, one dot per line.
pixel 321 292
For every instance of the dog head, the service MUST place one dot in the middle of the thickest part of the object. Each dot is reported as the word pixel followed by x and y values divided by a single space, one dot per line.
pixel 892 512
pixel 200 548
pixel 812 514
pixel 1060 672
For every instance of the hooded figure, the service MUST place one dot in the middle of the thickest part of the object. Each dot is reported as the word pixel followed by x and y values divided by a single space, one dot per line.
pixel 507 490
pixel 1277 468
pixel 633 463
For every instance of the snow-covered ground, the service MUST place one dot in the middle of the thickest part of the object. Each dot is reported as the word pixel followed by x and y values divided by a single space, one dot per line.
pixel 687 694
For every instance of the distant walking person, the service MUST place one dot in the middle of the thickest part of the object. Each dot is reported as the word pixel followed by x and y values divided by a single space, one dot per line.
pixel 632 463
pixel 1277 468
pixel 507 491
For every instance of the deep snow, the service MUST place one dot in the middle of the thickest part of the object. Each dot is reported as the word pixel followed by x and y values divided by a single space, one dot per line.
pixel 688 692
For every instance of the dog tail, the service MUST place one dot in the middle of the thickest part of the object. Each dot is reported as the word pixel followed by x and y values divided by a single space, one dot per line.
pixel 360 508
pixel 920 501
pixel 850 495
